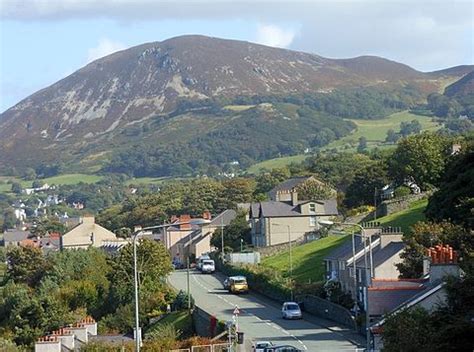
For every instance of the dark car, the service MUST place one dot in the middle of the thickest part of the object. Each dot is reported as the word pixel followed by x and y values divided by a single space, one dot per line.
pixel 282 348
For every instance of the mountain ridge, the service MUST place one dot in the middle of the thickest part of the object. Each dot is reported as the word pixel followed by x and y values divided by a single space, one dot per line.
pixel 88 111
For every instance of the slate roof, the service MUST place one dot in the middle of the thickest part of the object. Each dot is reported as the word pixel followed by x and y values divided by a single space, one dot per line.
pixel 224 218
pixel 286 209
pixel 289 184
pixel 381 255
pixel 15 236
pixel 344 251
pixel 385 300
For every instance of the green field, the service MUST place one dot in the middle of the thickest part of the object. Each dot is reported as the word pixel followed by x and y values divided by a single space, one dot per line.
pixel 72 179
pixel 407 217
pixel 276 163
pixel 308 258
pixel 66 179
pixel 374 130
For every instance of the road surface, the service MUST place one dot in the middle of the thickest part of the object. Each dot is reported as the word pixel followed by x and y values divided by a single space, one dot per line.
pixel 260 318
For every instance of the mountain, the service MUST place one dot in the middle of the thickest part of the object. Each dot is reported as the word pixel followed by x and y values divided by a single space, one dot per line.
pixel 461 88
pixel 145 94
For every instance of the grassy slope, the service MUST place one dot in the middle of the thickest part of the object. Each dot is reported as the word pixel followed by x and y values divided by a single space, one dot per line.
pixel 182 321
pixel 374 130
pixel 407 217
pixel 276 163
pixel 307 259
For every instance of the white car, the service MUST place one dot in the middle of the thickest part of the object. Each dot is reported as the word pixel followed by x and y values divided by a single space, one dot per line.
pixel 291 310
pixel 201 259
pixel 259 346
pixel 208 266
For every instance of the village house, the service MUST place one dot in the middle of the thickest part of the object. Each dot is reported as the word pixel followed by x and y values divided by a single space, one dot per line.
pixel 392 296
pixel 383 248
pixel 14 237
pixel 86 234
pixel 188 239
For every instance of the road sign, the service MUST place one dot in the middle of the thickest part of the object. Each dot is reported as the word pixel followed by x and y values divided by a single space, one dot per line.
pixel 236 311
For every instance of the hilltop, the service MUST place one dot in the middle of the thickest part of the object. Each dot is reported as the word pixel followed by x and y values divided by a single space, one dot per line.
pixel 161 100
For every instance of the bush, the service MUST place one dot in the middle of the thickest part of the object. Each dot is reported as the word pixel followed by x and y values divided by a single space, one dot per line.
pixel 402 191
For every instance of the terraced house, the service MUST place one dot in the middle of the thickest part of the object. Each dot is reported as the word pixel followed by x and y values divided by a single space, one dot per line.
pixel 285 218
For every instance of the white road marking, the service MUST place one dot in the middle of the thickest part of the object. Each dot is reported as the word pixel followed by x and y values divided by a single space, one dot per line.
pixel 274 326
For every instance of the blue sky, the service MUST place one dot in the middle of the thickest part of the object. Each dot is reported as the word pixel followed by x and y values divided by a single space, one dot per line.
pixel 43 41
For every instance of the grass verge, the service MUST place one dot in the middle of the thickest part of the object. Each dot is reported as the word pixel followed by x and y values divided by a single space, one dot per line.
pixel 406 218
pixel 308 265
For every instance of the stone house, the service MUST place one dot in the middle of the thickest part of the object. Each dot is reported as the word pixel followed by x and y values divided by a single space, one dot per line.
pixel 87 233
pixel 276 222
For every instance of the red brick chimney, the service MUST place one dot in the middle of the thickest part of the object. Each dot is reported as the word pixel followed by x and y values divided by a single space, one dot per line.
pixel 443 262
pixel 185 218
pixel 207 215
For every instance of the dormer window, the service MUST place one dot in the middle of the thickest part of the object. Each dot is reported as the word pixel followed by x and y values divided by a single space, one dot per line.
pixel 312 208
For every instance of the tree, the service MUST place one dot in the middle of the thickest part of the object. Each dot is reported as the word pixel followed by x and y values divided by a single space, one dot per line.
pixel 365 184
pixel 408 128
pixel 29 174
pixel 362 144
pixel 428 234
pixel 236 190
pixel 420 158
pixel 48 225
pixel 407 331
pixel 154 264
pixel 314 190
pixel 454 200
pixel 16 188
pixel 392 136
pixel 26 265
pixel 236 231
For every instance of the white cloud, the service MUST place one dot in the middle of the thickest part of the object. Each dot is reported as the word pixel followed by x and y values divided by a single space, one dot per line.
pixel 104 48
pixel 272 35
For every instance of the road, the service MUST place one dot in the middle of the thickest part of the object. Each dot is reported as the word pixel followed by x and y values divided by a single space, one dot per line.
pixel 260 318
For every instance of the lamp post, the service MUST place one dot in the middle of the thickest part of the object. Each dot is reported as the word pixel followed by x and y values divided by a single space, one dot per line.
pixel 366 293
pixel 291 257
pixel 136 236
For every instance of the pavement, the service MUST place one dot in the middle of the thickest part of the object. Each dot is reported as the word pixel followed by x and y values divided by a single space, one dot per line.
pixel 260 317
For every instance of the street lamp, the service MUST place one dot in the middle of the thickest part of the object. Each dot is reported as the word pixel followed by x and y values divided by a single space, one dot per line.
pixel 291 257
pixel 328 223
pixel 136 235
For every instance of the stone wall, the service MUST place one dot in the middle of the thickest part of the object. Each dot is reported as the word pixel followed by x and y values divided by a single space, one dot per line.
pixel 391 206
pixel 328 310
pixel 278 248
pixel 206 324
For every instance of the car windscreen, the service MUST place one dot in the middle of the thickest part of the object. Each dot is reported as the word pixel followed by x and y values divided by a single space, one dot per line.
pixel 240 282
pixel 292 307
pixel 262 345
pixel 207 262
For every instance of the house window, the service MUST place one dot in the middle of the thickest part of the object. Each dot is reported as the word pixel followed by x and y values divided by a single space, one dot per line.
pixel 342 266
pixel 312 221
pixel 312 208
pixel 351 272
pixel 359 275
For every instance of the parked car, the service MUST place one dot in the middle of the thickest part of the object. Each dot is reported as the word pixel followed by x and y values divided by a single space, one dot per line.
pixel 259 346
pixel 226 283
pixel 201 259
pixel 208 266
pixel 282 348
pixel 291 310
pixel 237 284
